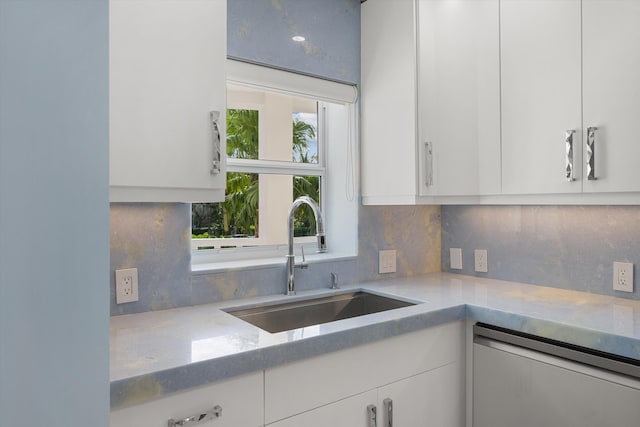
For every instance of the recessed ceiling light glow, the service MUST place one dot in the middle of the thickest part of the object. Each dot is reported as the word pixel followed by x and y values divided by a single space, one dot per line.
pixel 298 38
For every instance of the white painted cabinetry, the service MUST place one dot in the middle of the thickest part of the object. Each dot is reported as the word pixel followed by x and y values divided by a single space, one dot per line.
pixel 167 73
pixel 459 97
pixel 431 398
pixel 570 66
pixel 483 101
pixel 420 372
pixel 389 164
pixel 541 87
pixel 611 92
pixel 241 401
pixel 430 100
pixel 348 412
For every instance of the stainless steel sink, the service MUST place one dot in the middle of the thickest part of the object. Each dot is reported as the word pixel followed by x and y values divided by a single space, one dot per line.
pixel 298 314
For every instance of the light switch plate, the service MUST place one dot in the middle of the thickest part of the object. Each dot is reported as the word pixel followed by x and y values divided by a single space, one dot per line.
pixel 387 261
pixel 455 256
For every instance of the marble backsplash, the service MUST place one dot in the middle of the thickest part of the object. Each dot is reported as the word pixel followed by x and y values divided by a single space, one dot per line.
pixel 155 239
pixel 570 247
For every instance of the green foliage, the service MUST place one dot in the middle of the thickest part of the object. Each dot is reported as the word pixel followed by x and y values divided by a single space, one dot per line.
pixel 206 220
pixel 238 214
pixel 242 134
pixel 302 132
pixel 241 204
pixel 304 221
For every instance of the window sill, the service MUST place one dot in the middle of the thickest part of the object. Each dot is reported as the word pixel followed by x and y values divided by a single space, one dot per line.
pixel 260 263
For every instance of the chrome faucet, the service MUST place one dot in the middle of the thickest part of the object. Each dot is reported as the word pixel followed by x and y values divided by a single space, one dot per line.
pixel 322 244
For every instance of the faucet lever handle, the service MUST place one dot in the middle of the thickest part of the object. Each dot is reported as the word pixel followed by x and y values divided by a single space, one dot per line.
pixel 334 281
pixel 303 264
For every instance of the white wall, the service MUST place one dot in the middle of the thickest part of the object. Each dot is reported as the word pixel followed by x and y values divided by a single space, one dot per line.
pixel 54 240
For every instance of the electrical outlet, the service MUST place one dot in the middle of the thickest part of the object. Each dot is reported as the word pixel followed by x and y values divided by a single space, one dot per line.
pixel 126 285
pixel 455 258
pixel 481 261
pixel 387 261
pixel 623 276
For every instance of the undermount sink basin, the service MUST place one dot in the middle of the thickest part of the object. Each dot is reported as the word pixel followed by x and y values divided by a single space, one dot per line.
pixel 298 314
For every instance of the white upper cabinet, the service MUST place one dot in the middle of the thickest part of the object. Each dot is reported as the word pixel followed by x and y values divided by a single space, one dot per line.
pixel 167 74
pixel 570 86
pixel 430 100
pixel 389 165
pixel 500 101
pixel 459 97
pixel 541 95
pixel 611 94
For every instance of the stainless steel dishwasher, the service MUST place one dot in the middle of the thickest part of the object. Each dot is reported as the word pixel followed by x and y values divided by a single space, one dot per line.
pixel 521 380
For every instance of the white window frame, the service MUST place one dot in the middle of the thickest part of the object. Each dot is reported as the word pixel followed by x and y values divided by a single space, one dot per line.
pixel 338 172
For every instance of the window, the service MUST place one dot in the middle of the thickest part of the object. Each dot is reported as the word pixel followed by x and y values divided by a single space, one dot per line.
pixel 283 141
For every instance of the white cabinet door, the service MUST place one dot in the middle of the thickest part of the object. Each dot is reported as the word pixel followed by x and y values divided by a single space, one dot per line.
pixel 541 94
pixel 611 62
pixel 459 96
pixel 240 399
pixel 167 73
pixel 349 412
pixel 388 102
pixel 430 100
pixel 432 398
pixel 312 383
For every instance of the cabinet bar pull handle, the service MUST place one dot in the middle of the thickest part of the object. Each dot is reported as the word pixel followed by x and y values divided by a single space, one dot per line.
pixel 215 131
pixel 215 412
pixel 372 416
pixel 568 139
pixel 591 153
pixel 428 164
pixel 388 409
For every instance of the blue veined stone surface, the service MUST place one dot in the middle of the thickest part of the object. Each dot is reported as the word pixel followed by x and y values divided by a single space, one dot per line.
pixel 261 31
pixel 570 247
pixel 155 239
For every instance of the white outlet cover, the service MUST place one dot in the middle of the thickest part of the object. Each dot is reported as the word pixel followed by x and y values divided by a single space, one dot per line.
pixel 387 261
pixel 480 260
pixel 623 276
pixel 455 256
pixel 124 293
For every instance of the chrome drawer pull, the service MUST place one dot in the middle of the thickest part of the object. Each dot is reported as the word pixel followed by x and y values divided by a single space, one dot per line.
pixel 388 409
pixel 215 412
pixel 591 153
pixel 215 131
pixel 568 139
pixel 428 164
pixel 372 416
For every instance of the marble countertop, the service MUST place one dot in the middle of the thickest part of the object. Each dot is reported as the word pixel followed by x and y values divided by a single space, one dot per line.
pixel 156 353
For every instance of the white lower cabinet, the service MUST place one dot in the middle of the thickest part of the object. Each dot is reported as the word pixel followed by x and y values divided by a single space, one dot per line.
pixel 349 412
pixel 420 372
pixel 241 401
pixel 432 398
pixel 419 375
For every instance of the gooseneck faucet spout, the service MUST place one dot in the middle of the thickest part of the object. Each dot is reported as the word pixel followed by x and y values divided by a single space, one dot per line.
pixel 322 244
